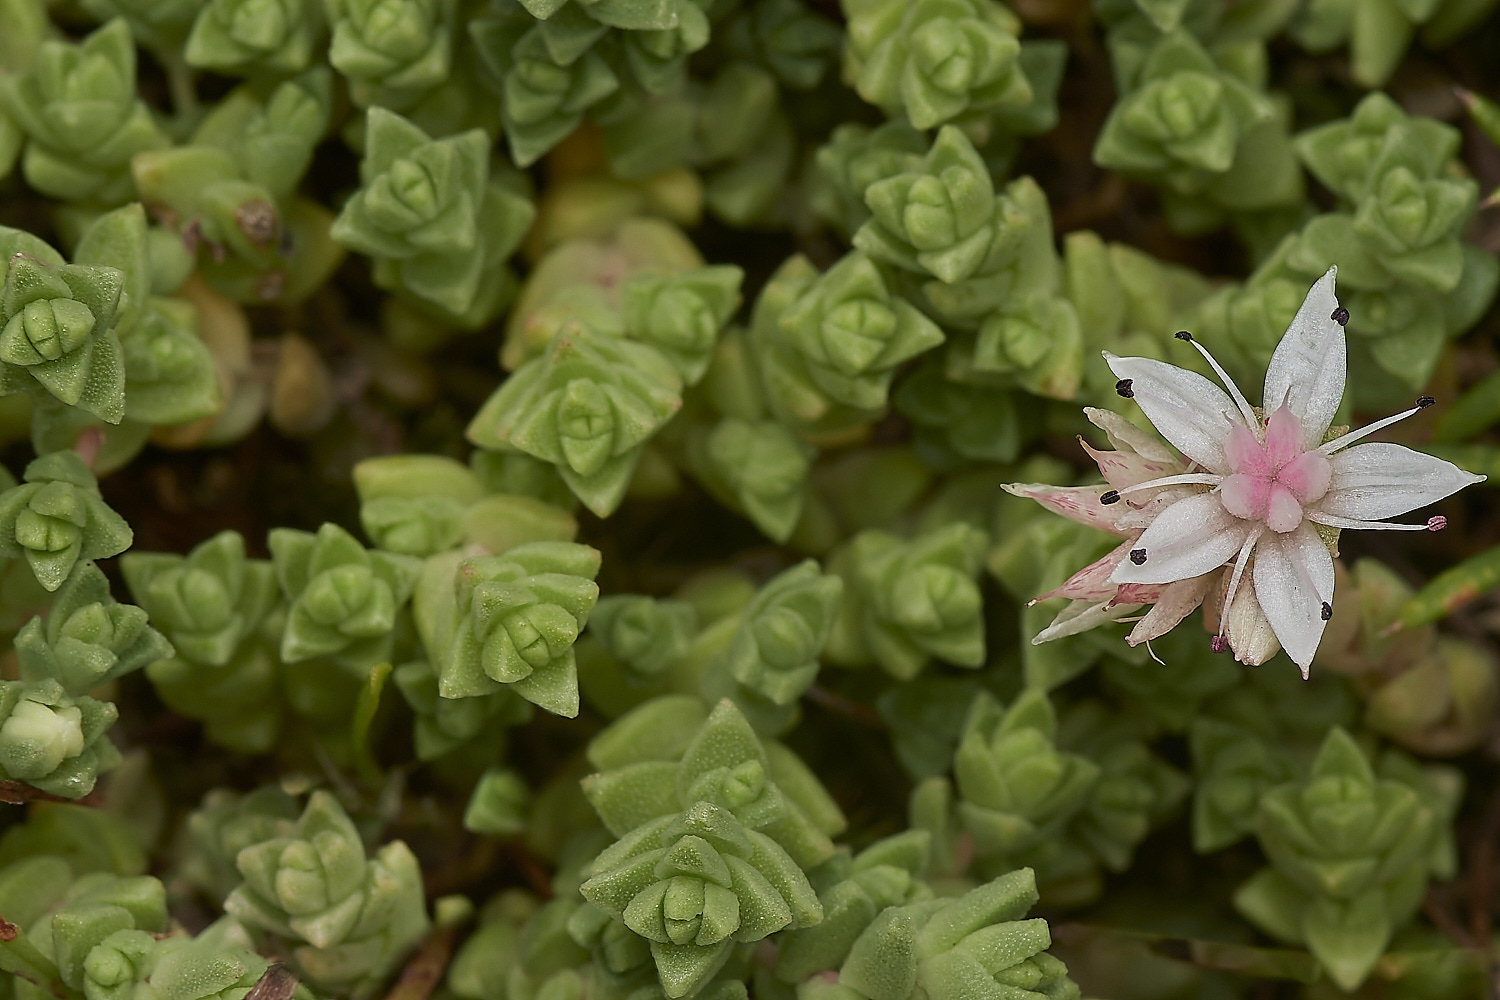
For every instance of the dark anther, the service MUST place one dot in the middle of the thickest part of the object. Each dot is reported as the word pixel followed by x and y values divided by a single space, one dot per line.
pixel 1183 335
pixel 1113 496
pixel 1340 316
pixel 1138 556
pixel 1123 387
pixel 1218 644
pixel 1423 402
pixel 1327 611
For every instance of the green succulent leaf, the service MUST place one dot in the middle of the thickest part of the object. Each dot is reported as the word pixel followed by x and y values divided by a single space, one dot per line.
pixel 57 518
pixel 587 406
pixel 58 335
pixel 343 599
pixel 53 741
pixel 79 110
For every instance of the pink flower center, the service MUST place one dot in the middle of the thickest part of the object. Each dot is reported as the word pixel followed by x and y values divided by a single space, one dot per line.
pixel 1272 482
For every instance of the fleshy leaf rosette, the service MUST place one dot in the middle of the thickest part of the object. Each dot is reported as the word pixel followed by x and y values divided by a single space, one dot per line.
pixel 974 947
pixel 681 314
pixel 588 406
pixel 669 753
pixel 391 48
pixel 906 602
pixel 934 61
pixel 1410 284
pixel 696 884
pixel 57 334
pixel 1350 857
pixel 657 58
pixel 548 72
pixel 848 332
pixel 429 215
pixel 764 466
pixel 1201 131
pixel 671 777
pixel 88 638
pixel 212 604
pixel 414 503
pixel 357 914
pixel 72 915
pixel 855 157
pixel 795 41
pixel 1017 791
pixel 254 37
pixel 1232 767
pixel 939 219
pixel 53 741
pixel 1035 340
pixel 646 634
pixel 82 116
pixel 343 598
pixel 209 601
pixel 510 621
pixel 226 823
pixel 774 652
pixel 57 518
pixel 1340 154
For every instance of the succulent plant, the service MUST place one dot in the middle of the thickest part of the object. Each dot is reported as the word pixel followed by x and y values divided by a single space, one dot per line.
pixel 343 599
pixel 79 111
pixel 57 518
pixel 315 884
pixel 58 336
pixel 510 621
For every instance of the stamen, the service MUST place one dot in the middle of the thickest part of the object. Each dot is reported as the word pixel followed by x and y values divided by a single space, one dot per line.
pixel 1138 556
pixel 1251 420
pixel 1340 316
pixel 1344 441
pixel 1185 479
pixel 1123 388
pixel 1218 644
pixel 1153 655
pixel 1240 562
pixel 1326 611
pixel 1334 521
pixel 1437 523
pixel 1113 496
pixel 1423 402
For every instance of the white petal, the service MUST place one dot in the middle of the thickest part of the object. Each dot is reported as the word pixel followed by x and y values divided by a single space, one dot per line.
pixel 1248 632
pixel 1374 481
pixel 1080 616
pixel 1124 469
pixel 1189 538
pixel 1188 409
pixel 1126 436
pixel 1076 503
pixel 1177 601
pixel 1293 579
pixel 1307 369
pixel 1092 582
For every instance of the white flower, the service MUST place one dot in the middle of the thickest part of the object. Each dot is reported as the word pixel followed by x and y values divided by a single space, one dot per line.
pixel 1269 483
